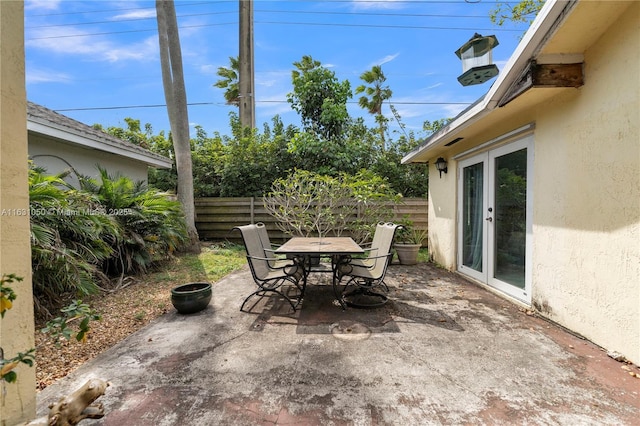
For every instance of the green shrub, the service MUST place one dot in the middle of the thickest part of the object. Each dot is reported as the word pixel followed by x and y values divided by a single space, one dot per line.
pixel 71 237
pixel 110 226
pixel 151 223
pixel 307 203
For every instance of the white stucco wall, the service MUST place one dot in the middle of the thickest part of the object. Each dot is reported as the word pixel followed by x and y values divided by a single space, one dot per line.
pixel 586 262
pixel 442 215
pixel 46 152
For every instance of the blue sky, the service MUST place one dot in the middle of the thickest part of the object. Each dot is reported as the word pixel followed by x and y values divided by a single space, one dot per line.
pixel 87 59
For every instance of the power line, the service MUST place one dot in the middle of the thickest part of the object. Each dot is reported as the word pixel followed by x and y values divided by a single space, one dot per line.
pixel 71 24
pixel 181 5
pixel 131 107
pixel 412 27
pixel 282 23
pixel 116 10
pixel 220 103
pixel 293 12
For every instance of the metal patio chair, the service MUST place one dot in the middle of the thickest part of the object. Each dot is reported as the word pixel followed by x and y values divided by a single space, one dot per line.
pixel 269 248
pixel 365 286
pixel 269 273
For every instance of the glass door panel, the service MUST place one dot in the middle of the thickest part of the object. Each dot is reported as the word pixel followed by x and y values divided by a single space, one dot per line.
pixel 472 230
pixel 473 220
pixel 510 219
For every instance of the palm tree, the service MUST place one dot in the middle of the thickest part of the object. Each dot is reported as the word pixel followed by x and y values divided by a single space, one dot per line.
pixel 176 97
pixel 376 94
pixel 229 81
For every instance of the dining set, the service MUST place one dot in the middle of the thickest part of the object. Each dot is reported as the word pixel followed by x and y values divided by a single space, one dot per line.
pixel 357 271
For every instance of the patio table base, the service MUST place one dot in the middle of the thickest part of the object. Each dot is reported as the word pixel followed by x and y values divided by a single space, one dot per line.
pixel 362 297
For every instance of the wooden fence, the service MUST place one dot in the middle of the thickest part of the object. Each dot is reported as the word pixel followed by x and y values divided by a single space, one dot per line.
pixel 216 217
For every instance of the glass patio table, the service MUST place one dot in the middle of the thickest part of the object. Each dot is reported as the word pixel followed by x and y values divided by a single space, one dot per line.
pixel 339 249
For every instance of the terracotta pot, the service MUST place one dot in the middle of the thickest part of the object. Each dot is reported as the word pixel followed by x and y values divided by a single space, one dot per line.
pixel 191 297
pixel 407 253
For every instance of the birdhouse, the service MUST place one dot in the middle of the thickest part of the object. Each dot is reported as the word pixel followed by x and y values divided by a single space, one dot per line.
pixel 477 66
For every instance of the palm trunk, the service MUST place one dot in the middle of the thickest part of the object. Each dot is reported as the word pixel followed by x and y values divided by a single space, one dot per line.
pixel 176 98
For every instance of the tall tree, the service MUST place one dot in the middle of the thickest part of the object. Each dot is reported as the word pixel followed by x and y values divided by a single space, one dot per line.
pixel 176 97
pixel 229 82
pixel 523 11
pixel 374 96
pixel 320 99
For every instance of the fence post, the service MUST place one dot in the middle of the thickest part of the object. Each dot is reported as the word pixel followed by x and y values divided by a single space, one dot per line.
pixel 253 210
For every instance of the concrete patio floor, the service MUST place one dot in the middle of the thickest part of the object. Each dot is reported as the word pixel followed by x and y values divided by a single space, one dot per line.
pixel 443 351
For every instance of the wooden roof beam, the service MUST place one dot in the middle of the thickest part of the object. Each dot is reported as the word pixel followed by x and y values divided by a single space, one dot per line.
pixel 537 75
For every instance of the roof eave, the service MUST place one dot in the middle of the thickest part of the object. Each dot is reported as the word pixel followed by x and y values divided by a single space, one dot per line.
pixel 47 128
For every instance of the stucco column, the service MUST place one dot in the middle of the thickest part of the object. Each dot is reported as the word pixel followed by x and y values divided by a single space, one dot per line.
pixel 17 400
pixel 442 215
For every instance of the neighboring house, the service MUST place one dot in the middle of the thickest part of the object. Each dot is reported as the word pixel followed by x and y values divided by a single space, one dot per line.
pixel 541 201
pixel 58 143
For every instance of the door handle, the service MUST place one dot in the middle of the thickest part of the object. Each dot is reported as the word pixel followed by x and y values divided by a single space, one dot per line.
pixel 490 219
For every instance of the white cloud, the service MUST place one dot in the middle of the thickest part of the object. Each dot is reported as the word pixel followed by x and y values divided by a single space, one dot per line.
pixel 69 41
pixel 387 59
pixel 272 88
pixel 35 76
pixel 141 14
pixel 141 51
pixel 383 4
pixel 273 78
pixel 208 69
pixel 41 4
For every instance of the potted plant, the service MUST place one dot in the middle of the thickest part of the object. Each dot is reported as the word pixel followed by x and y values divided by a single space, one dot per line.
pixel 409 240
pixel 191 297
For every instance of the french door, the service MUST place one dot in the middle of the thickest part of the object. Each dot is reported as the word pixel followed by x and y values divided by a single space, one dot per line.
pixel 494 218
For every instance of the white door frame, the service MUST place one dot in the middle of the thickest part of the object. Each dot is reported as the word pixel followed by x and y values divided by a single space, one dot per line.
pixel 486 276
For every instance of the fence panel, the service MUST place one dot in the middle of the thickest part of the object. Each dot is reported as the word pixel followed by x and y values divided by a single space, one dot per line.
pixel 216 217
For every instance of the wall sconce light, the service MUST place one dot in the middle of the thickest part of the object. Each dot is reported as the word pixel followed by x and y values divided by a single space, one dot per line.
pixel 441 165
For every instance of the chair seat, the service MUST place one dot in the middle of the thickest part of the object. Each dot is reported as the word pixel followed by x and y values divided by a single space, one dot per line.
pixel 281 263
pixel 355 270
pixel 282 272
pixel 362 263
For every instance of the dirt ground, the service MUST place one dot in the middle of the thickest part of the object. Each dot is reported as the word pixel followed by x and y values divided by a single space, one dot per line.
pixel 123 312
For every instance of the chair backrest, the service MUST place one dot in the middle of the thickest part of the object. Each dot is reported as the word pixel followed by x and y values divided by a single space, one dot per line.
pixel 381 246
pixel 266 242
pixel 377 239
pixel 255 250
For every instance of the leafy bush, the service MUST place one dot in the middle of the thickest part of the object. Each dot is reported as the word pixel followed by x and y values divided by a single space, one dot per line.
pixel 307 203
pixel 71 237
pixel 77 311
pixel 375 201
pixel 80 237
pixel 7 365
pixel 151 224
